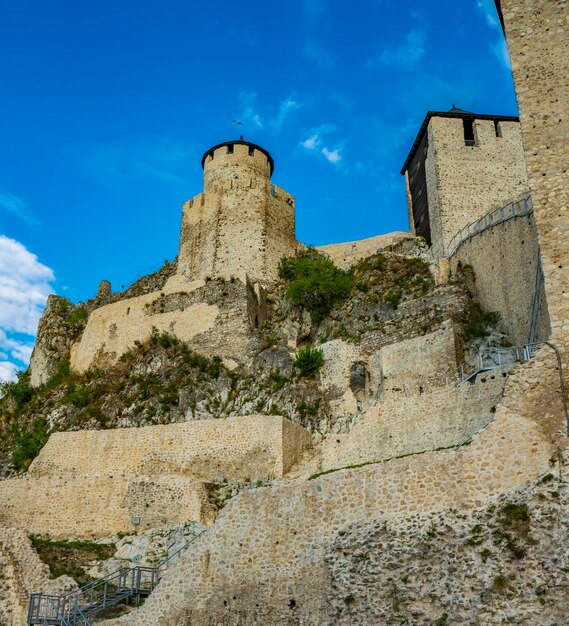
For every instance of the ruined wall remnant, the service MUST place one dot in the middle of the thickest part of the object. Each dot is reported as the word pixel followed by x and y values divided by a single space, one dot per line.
pixel 214 317
pixel 242 223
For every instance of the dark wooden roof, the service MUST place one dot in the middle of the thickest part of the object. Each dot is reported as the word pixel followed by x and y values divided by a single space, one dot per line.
pixel 456 113
pixel 242 143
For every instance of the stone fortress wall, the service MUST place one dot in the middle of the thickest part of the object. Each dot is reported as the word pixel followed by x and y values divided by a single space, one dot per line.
pixel 505 261
pixel 537 32
pixel 154 473
pixel 396 370
pixel 241 223
pixel 403 425
pixel 23 573
pixel 288 536
pixel 214 317
pixel 253 447
pixel 88 506
pixel 464 182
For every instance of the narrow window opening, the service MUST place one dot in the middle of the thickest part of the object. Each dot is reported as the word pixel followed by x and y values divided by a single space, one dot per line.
pixel 251 151
pixel 497 128
pixel 256 321
pixel 230 149
pixel 128 311
pixel 469 132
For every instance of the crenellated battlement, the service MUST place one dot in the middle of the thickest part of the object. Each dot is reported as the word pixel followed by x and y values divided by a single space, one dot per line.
pixel 242 223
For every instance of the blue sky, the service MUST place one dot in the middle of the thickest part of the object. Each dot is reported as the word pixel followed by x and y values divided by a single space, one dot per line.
pixel 107 108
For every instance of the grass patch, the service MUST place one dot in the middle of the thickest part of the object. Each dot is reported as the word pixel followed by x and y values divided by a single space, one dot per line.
pixel 28 443
pixel 71 558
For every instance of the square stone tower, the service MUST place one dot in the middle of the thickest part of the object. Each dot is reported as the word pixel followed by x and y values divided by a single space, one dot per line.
pixel 242 223
pixel 461 166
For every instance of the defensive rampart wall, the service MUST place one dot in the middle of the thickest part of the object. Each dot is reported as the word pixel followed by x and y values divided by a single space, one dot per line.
pixel 213 317
pixel 283 531
pixel 98 505
pixel 408 425
pixel 253 447
pixel 505 260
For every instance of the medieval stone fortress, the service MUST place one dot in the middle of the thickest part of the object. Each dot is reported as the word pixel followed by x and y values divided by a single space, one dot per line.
pixel 372 432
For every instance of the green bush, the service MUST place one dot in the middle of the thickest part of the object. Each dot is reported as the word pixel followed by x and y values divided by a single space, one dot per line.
pixel 314 282
pixel 78 396
pixel 475 321
pixel 28 443
pixel 78 318
pixel 19 391
pixel 308 360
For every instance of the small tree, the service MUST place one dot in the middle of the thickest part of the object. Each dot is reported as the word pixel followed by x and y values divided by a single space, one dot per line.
pixel 308 360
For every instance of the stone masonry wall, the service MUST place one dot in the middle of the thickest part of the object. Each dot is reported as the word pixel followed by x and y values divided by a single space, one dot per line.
pixel 407 367
pixel 537 32
pixel 465 182
pixel 344 255
pixel 408 425
pixel 213 317
pixel 241 223
pixel 418 364
pixel 98 505
pixel 283 532
pixel 25 574
pixel 504 259
pixel 251 447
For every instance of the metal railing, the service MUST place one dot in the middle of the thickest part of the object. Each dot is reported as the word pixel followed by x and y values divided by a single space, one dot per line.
pixel 484 361
pixel 122 585
pixel 493 359
pixel 493 218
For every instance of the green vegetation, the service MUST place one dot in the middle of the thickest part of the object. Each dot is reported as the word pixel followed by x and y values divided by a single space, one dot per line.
pixel 393 278
pixel 71 558
pixel 19 391
pixel 500 582
pixel 514 522
pixel 79 317
pixel 475 321
pixel 28 443
pixel 308 360
pixel 315 283
pixel 78 396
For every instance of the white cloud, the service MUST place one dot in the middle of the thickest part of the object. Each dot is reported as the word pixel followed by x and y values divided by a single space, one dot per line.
pixel 488 9
pixel 407 53
pixel 7 371
pixel 333 156
pixel 315 143
pixel 312 142
pixel 286 107
pixel 25 284
pixel 248 113
pixel 13 204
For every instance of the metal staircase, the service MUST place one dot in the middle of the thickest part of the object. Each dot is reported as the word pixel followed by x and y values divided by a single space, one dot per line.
pixel 124 585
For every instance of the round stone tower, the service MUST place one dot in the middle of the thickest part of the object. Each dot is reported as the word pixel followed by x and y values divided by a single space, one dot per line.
pixel 242 224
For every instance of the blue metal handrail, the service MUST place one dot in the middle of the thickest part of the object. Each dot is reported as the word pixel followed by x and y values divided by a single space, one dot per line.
pixel 102 593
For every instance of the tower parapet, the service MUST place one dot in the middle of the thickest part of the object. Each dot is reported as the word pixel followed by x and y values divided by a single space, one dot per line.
pixel 461 166
pixel 241 223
